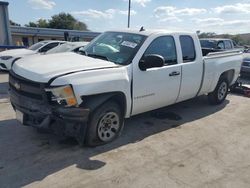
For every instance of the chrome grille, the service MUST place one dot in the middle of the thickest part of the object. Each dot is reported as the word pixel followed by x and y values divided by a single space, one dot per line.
pixel 26 87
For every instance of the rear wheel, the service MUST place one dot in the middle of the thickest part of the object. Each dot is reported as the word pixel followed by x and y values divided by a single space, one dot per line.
pixel 105 124
pixel 220 92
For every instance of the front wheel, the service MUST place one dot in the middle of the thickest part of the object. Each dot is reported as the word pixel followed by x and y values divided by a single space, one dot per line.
pixel 105 124
pixel 220 92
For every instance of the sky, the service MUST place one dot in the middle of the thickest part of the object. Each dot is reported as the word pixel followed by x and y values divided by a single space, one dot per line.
pixel 219 16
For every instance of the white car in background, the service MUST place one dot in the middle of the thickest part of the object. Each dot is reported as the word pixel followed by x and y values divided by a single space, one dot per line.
pixel 7 58
pixel 68 47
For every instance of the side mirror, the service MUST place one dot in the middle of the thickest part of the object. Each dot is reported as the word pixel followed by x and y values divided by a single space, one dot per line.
pixel 151 61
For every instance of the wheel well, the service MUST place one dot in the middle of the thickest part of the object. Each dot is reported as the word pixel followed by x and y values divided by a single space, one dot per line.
pixel 94 101
pixel 120 99
pixel 14 61
pixel 229 75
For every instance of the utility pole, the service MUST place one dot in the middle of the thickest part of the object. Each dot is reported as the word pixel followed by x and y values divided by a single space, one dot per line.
pixel 129 7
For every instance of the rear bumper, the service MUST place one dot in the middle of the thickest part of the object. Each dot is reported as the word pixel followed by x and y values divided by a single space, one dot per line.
pixel 39 114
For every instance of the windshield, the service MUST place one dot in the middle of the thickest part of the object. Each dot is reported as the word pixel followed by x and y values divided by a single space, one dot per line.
pixel 37 45
pixel 207 43
pixel 67 47
pixel 116 47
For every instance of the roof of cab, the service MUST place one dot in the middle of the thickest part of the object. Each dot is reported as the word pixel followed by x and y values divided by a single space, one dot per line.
pixel 151 32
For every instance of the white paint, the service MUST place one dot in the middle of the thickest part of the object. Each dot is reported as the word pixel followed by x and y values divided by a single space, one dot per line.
pixel 152 89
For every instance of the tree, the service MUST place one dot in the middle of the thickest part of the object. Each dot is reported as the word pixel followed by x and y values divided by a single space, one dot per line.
pixel 227 36
pixel 66 21
pixel 59 21
pixel 80 26
pixel 238 39
pixel 31 24
pixel 207 35
pixel 14 23
pixel 40 23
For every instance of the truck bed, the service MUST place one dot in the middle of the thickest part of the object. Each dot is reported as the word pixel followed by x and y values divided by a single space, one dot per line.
pixel 206 51
pixel 220 61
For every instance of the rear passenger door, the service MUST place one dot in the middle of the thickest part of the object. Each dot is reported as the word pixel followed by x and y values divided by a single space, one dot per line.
pixel 228 45
pixel 157 87
pixel 192 67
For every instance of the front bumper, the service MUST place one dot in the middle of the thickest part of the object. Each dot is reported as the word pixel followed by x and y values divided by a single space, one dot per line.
pixel 40 114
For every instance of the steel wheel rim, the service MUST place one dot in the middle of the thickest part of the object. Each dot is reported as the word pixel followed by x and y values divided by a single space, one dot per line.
pixel 222 91
pixel 108 126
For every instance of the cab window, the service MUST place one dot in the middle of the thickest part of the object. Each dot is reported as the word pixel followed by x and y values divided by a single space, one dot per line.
pixel 188 48
pixel 221 45
pixel 165 47
pixel 228 44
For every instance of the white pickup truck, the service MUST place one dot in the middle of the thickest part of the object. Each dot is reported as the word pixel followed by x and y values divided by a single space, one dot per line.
pixel 120 74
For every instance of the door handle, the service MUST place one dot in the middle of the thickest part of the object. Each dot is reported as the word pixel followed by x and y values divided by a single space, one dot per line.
pixel 175 73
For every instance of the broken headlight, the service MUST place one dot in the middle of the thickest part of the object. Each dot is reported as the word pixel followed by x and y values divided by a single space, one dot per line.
pixel 62 95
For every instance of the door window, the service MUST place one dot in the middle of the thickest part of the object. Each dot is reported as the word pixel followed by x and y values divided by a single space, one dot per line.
pixel 221 45
pixel 165 47
pixel 188 49
pixel 228 44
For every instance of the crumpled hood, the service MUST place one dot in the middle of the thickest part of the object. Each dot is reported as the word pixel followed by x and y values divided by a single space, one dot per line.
pixel 43 68
pixel 17 52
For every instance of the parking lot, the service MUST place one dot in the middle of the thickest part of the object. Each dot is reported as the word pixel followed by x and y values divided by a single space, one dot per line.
pixel 191 144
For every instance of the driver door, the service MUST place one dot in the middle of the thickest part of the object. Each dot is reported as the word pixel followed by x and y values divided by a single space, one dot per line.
pixel 157 87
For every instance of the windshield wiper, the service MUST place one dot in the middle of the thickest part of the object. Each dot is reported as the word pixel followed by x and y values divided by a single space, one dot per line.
pixel 98 56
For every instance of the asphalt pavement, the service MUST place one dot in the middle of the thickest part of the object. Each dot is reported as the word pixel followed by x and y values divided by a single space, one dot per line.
pixel 191 144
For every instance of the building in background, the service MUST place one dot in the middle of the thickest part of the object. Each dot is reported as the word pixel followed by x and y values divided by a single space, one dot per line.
pixel 14 36
pixel 26 36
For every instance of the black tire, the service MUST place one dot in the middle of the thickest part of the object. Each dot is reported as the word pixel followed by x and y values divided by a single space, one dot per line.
pixel 220 93
pixel 95 127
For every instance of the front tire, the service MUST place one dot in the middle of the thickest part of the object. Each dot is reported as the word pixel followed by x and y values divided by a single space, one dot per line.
pixel 105 124
pixel 220 93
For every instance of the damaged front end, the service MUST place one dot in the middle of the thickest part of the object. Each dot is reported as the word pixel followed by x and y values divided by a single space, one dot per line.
pixel 51 109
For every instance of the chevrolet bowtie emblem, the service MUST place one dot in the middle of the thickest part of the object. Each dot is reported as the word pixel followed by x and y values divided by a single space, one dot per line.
pixel 17 85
